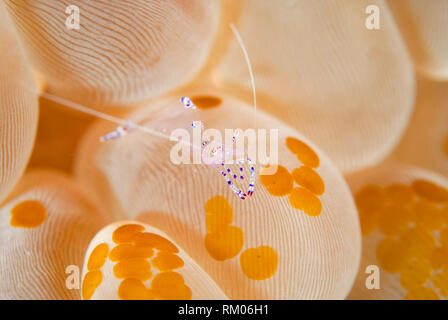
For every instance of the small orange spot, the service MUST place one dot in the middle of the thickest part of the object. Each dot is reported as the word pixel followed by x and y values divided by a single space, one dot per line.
pixel 259 263
pixel 422 293
pixel 128 251
pixel 394 218
pixel 278 184
pixel 399 194
pixel 428 215
pixel 420 242
pixel 170 286
pixel 133 289
pixel 369 201
pixel 303 199
pixel 369 198
pixel 28 214
pixel 368 221
pixel 305 154
pixel 415 275
pixel 126 232
pixel 430 190
pixel 224 244
pixel 133 268
pixel 167 261
pixel 155 241
pixel 98 257
pixel 91 281
pixel 310 179
pixel 219 213
pixel 440 281
pixel 206 102
pixel 392 255
pixel 218 205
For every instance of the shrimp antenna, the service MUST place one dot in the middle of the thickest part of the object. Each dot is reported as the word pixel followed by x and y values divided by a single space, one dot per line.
pixel 120 121
pixel 98 114
pixel 249 66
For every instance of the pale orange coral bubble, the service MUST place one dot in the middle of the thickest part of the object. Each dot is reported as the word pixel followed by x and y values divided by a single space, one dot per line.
pixel 148 277
pixel 407 245
pixel 319 69
pixel 135 177
pixel 34 259
pixel 123 51
pixel 18 107
pixel 424 27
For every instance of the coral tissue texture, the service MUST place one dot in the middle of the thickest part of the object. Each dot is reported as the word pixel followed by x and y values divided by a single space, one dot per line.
pixel 123 52
pixel 423 25
pixel 18 107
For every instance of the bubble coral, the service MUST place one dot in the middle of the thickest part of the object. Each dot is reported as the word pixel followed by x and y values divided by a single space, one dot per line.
pixel 18 107
pixel 404 217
